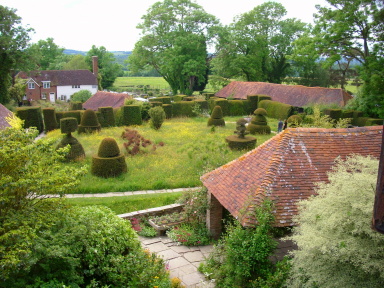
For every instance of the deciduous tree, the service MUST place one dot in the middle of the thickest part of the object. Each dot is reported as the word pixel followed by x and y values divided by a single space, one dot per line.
pixel 47 54
pixel 174 42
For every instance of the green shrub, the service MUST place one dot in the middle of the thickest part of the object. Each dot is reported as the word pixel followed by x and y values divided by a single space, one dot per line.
pixel 347 114
pixel 59 116
pixel 164 99
pixel 253 103
pixel 75 114
pixel 81 96
pixel 76 105
pixel 89 122
pixel 259 124
pixel 237 108
pixel 108 162
pixel 178 98
pixel 263 97
pixel 237 143
pixel 32 117
pixel 168 110
pixel 50 122
pixel 158 116
pixel 334 114
pixel 156 103
pixel 189 98
pixel 216 118
pixel 108 116
pixel 131 115
pixel 183 109
pixel 76 151
pixel 294 121
pixel 276 109
pixel 224 104
pixel 373 122
pixel 68 125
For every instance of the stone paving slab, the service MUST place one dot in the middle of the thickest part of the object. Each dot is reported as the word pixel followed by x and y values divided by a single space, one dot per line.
pixel 192 279
pixel 157 247
pixel 181 249
pixel 177 263
pixel 168 254
pixel 195 256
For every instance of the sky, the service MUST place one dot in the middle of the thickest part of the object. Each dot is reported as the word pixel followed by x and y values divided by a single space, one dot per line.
pixel 79 24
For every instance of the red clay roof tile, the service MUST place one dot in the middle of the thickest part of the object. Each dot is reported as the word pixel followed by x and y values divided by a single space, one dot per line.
pixel 285 168
pixel 106 99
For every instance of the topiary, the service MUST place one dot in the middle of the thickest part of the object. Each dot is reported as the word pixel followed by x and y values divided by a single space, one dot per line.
pixel 294 121
pixel 89 122
pixel 259 124
pixel 76 152
pixel 50 122
pixel 108 116
pixel 158 116
pixel 109 162
pixel 216 118
pixel 241 141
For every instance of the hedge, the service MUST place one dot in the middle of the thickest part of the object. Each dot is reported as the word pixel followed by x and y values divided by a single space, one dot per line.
pixel 178 98
pixel 76 105
pixel 131 115
pixel 253 103
pixel 334 114
pixel 238 107
pixel 366 121
pixel 108 117
pixel 164 99
pixel 223 103
pixel 32 117
pixel 203 104
pixel 183 109
pixel 50 122
pixel 74 114
pixel 276 109
pixel 168 110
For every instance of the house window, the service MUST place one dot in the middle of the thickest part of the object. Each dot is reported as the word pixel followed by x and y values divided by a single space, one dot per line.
pixel 44 96
pixel 63 97
pixel 46 84
pixel 31 85
pixel 94 86
pixel 75 86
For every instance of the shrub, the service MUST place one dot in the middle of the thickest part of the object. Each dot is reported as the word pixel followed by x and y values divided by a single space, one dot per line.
pixel 131 115
pixel 158 116
pixel 276 109
pixel 178 98
pixel 334 114
pixel 31 116
pixel 108 116
pixel 89 122
pixel 253 103
pixel 168 110
pixel 164 99
pixel 50 122
pixel 108 162
pixel 183 109
pixel 216 118
pixel 237 108
pixel 224 104
pixel 76 151
pixel 294 121
pixel 68 125
pixel 81 96
pixel 76 105
pixel 259 123
pixel 75 114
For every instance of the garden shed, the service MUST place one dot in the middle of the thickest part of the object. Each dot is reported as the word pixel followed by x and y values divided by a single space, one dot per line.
pixel 284 168
pixel 106 99
pixel 4 113
pixel 295 95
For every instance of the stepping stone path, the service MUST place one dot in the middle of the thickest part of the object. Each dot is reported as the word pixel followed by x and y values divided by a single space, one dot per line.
pixel 182 261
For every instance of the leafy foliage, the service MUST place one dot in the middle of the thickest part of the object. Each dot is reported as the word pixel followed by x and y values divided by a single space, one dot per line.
pixel 337 247
pixel 81 96
pixel 158 116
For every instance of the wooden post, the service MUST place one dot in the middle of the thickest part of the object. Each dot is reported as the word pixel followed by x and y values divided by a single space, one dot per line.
pixel 378 208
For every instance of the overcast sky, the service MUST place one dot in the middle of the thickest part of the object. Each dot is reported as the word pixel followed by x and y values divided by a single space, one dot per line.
pixel 79 24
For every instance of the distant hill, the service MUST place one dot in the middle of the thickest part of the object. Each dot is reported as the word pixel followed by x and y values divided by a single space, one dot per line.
pixel 120 56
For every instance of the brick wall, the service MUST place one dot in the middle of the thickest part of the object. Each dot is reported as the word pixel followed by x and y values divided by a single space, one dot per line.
pixel 214 216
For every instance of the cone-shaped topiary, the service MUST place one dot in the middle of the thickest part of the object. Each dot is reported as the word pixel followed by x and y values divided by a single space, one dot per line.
pixel 294 121
pixel 89 122
pixel 108 162
pixel 241 141
pixel 216 118
pixel 67 126
pixel 259 123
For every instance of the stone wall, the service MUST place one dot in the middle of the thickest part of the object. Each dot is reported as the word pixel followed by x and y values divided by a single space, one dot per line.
pixel 158 211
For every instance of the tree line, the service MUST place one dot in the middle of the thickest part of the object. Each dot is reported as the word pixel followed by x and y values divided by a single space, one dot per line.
pixel 184 44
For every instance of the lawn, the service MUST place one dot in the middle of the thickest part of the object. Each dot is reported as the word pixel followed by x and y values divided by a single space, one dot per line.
pixel 191 149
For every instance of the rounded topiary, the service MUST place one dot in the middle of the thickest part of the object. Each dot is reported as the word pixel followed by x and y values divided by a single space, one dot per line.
pixel 294 121
pixel 259 124
pixel 109 162
pixel 76 151
pixel 68 125
pixel 89 122
pixel 216 118
pixel 241 141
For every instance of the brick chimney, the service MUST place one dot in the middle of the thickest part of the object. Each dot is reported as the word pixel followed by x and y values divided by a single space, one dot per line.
pixel 95 67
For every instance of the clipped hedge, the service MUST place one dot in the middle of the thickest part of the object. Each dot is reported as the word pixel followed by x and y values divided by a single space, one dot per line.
pixel 367 121
pixel 224 104
pixel 74 114
pixel 216 118
pixel 334 114
pixel 183 109
pixel 356 115
pixel 68 125
pixel 178 98
pixel 238 107
pixel 164 99
pixel 76 105
pixel 253 103
pixel 32 117
pixel 276 109
pixel 59 116
pixel 294 121
pixel 203 104
pixel 108 117
pixel 168 110
pixel 264 97
pixel 131 115
pixel 50 122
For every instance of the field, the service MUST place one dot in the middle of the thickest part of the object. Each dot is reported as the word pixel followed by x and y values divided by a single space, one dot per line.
pixel 191 149
pixel 153 82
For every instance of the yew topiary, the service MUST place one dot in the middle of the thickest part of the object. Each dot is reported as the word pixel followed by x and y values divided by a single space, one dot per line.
pixel 67 126
pixel 50 122
pixel 259 124
pixel 89 122
pixel 216 118
pixel 240 141
pixel 109 162
pixel 294 121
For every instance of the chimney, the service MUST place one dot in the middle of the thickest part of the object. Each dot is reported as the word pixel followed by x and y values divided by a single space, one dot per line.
pixel 95 66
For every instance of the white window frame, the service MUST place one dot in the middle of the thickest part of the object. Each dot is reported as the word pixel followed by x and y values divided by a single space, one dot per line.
pixel 46 84
pixel 44 96
pixel 31 85
pixel 75 86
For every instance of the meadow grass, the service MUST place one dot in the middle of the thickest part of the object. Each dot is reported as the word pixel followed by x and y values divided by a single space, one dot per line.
pixel 190 150
pixel 154 82
pixel 126 204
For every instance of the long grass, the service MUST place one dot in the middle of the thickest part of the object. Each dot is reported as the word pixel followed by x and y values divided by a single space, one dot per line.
pixel 126 204
pixel 191 149
pixel 153 82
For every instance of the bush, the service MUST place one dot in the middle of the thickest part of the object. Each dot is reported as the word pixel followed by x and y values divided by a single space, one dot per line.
pixel 237 107
pixel 31 116
pixel 164 100
pixel 81 96
pixel 334 114
pixel 50 122
pixel 75 114
pixel 276 109
pixel 108 116
pixel 89 122
pixel 216 118
pixel 168 110
pixel 294 121
pixel 108 162
pixel 259 123
pixel 76 106
pixel 131 115
pixel 253 103
pixel 183 108
pixel 158 116
pixel 224 104
pixel 68 125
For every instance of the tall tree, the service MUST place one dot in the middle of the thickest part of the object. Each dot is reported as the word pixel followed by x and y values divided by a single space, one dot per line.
pixel 46 52
pixel 14 40
pixel 255 46
pixel 353 30
pixel 108 68
pixel 174 42
pixel 76 62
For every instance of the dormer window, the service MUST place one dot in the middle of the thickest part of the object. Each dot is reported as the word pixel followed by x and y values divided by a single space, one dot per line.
pixel 46 84
pixel 31 85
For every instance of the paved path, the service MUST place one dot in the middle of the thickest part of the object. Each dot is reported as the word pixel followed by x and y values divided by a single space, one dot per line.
pixel 182 261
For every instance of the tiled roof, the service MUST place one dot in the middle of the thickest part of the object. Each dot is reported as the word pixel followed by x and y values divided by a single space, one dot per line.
pixel 61 77
pixel 106 99
pixel 295 95
pixel 285 167
pixel 4 112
